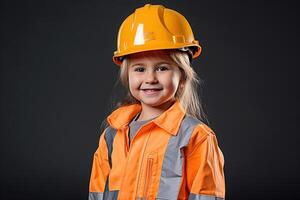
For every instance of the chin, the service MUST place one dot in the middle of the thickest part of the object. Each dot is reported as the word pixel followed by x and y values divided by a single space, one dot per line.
pixel 155 103
pixel 152 104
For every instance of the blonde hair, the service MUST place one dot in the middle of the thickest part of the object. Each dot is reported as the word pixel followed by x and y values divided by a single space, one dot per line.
pixel 187 95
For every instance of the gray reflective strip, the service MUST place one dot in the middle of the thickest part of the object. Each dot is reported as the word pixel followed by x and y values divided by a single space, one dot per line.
pixel 203 197
pixel 111 195
pixel 174 159
pixel 107 195
pixel 95 196
pixel 109 136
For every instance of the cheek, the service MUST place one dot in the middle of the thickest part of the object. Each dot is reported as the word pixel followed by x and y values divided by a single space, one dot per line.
pixel 174 81
pixel 133 81
pixel 177 78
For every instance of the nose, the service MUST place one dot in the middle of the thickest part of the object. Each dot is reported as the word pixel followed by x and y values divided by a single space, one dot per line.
pixel 150 77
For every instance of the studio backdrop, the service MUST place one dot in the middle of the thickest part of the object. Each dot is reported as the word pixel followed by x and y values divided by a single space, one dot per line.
pixel 58 83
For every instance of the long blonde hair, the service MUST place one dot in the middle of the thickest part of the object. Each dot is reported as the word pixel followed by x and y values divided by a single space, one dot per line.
pixel 187 95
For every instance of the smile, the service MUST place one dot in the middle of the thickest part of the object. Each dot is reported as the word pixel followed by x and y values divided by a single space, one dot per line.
pixel 152 91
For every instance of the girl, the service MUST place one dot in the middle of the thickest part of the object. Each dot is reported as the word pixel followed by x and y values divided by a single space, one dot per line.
pixel 156 145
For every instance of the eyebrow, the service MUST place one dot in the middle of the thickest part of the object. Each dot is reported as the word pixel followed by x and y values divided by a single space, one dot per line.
pixel 159 63
pixel 137 64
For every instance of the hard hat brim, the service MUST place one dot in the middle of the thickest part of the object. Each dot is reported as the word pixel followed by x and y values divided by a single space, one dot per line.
pixel 137 49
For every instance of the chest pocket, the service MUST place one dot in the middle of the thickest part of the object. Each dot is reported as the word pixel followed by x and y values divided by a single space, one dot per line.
pixel 148 178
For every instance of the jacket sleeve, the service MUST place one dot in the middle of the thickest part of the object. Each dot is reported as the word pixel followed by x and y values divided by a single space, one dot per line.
pixel 204 166
pixel 100 168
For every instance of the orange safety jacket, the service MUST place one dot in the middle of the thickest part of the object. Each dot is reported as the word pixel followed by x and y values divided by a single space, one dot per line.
pixel 174 156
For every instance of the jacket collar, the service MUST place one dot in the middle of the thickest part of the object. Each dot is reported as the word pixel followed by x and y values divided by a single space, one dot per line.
pixel 169 120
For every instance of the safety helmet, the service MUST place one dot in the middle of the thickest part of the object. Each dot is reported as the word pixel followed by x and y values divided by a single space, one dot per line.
pixel 154 27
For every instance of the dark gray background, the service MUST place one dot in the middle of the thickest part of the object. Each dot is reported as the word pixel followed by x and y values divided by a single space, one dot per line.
pixel 57 76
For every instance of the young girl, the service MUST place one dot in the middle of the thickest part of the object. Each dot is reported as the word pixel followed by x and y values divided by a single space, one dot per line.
pixel 155 145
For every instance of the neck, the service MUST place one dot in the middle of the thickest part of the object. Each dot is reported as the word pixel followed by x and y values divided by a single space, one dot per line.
pixel 150 112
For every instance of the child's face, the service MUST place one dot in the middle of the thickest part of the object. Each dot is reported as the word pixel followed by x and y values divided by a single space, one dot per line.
pixel 153 78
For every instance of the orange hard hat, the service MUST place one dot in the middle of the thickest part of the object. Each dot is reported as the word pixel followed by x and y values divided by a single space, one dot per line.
pixel 154 27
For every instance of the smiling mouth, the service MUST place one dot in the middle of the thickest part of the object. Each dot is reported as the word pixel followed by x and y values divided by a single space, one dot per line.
pixel 151 91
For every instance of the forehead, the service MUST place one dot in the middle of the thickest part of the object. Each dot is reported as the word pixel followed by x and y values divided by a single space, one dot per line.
pixel 150 57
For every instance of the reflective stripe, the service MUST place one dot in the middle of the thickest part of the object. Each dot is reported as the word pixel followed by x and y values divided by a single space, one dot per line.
pixel 171 173
pixel 95 196
pixel 111 195
pixel 107 195
pixel 109 136
pixel 203 197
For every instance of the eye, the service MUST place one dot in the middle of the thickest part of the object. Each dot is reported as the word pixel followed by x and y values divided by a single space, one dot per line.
pixel 139 69
pixel 162 68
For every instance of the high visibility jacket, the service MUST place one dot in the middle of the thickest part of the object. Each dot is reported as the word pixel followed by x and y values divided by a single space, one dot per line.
pixel 174 156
